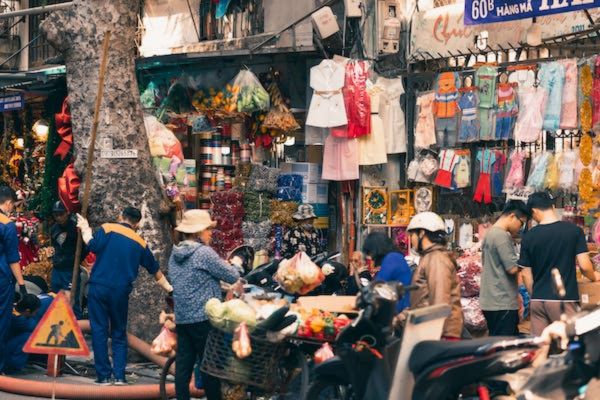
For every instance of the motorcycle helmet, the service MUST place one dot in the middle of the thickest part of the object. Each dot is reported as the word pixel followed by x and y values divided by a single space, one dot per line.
pixel 428 221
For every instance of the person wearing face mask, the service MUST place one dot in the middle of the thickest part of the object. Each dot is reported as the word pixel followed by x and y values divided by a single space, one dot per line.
pixel 499 295
pixel 120 251
pixel 550 244
pixel 436 275
pixel 196 271
pixel 304 237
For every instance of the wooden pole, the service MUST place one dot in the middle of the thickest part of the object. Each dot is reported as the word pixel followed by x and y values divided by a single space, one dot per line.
pixel 90 161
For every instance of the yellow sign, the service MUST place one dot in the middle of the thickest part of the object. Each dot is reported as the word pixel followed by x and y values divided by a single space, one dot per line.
pixel 57 332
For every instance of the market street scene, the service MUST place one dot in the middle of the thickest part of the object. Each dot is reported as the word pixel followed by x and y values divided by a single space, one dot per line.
pixel 300 200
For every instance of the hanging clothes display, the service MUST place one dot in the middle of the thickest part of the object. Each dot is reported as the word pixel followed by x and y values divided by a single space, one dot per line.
pixel 537 176
pixel 448 161
pixel 425 125
pixel 371 147
pixel 445 109
pixel 465 236
pixel 392 115
pixel 552 175
pixel 552 79
pixel 506 111
pixel 461 174
pixel 340 159
pixel 568 113
pixel 483 190
pixel 528 127
pixel 357 101
pixel 566 175
pixel 485 80
pixel 486 124
pixel 524 78
pixel 498 173
pixel 469 123
pixel 515 178
pixel 327 107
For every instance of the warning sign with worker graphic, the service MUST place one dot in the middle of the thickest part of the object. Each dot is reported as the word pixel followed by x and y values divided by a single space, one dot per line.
pixel 57 332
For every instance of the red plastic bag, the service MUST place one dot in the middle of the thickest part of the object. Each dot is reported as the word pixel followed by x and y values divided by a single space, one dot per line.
pixel 165 343
pixel 323 354
pixel 241 342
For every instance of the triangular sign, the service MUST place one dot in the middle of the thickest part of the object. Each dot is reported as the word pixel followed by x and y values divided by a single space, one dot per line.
pixel 58 332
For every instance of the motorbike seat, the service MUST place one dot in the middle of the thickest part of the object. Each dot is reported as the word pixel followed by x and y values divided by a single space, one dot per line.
pixel 431 352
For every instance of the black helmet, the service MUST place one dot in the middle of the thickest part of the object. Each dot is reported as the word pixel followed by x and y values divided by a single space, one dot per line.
pixel 59 207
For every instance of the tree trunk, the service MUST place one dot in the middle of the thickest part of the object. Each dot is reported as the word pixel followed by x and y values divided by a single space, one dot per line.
pixel 116 183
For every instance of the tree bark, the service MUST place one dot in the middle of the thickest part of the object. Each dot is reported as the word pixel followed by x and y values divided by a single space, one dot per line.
pixel 116 183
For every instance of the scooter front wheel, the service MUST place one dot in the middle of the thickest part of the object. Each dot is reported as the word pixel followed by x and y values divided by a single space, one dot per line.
pixel 327 389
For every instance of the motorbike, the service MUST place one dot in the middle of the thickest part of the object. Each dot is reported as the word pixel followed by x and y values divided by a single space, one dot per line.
pixel 372 363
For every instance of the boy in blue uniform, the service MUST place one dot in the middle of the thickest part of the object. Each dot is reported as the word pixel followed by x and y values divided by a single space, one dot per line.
pixel 26 315
pixel 120 251
pixel 10 270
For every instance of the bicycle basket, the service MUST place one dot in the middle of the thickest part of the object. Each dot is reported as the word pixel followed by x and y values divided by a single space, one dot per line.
pixel 258 370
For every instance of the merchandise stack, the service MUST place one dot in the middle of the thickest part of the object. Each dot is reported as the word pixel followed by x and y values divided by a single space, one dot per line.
pixel 228 212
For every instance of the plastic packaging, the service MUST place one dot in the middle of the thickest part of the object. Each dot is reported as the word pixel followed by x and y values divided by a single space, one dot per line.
pixel 474 319
pixel 249 94
pixel 299 274
pixel 324 353
pixel 165 343
pixel 241 342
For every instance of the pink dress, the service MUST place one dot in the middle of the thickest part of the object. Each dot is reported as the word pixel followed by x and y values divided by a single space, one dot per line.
pixel 425 124
pixel 515 178
pixel 532 103
pixel 340 159
pixel 568 112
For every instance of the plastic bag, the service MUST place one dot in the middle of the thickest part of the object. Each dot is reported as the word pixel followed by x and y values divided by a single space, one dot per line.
pixel 165 343
pixel 299 275
pixel 163 142
pixel 323 354
pixel 474 319
pixel 249 94
pixel 469 275
pixel 241 342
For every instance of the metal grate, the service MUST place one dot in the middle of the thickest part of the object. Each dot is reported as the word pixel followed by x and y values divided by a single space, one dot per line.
pixel 40 50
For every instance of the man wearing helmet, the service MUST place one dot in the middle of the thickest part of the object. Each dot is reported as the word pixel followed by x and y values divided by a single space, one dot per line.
pixel 435 276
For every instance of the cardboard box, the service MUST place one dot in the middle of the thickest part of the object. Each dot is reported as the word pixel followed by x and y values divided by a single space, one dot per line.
pixel 311 172
pixel 315 193
pixel 589 294
pixel 336 304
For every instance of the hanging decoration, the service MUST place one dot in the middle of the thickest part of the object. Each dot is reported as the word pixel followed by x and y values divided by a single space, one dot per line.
pixel 65 131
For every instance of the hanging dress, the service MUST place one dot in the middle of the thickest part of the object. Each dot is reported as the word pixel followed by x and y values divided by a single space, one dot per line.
pixel 371 147
pixel 327 103
pixel 392 114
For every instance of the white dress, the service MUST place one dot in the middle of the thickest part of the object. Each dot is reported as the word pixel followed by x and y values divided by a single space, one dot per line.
pixel 372 147
pixel 392 114
pixel 327 108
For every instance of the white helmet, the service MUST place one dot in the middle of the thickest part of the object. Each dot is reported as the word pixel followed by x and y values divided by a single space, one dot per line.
pixel 428 221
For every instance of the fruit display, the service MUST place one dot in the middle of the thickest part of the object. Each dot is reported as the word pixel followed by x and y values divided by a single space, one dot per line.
pixel 320 325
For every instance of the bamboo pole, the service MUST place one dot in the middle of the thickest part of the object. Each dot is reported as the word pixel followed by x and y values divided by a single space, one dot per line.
pixel 90 161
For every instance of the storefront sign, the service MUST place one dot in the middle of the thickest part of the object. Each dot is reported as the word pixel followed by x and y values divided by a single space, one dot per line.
pixel 441 30
pixel 119 153
pixel 12 103
pixel 488 11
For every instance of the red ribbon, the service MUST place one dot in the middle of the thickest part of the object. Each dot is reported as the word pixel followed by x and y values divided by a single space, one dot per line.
pixel 68 189
pixel 63 125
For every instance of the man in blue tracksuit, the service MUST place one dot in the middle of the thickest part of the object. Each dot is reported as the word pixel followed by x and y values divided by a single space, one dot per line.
pixel 10 270
pixel 120 251
pixel 26 315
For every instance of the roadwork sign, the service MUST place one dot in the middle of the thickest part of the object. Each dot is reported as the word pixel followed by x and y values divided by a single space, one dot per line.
pixel 57 332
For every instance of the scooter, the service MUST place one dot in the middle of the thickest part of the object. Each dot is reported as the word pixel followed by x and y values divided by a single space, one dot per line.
pixel 373 364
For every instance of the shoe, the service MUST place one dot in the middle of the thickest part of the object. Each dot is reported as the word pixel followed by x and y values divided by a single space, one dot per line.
pixel 102 382
pixel 120 382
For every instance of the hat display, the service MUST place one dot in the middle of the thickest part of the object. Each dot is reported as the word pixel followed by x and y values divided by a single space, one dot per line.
pixel 305 211
pixel 195 221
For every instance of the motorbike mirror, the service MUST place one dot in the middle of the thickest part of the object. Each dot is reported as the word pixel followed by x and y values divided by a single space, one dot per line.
pixel 557 280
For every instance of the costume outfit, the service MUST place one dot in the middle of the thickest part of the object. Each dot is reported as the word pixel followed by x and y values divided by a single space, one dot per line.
pixel 392 114
pixel 445 109
pixel 195 271
pixel 537 176
pixel 461 174
pixel 119 253
pixel 9 254
pixel 483 190
pixel 448 161
pixel 327 103
pixel 425 124
pixel 485 80
pixel 552 79
pixel 528 127
pixel 469 123
pixel 506 111
pixel 568 114
pixel 515 178
pixel 357 102
pixel 498 173
pixel 372 147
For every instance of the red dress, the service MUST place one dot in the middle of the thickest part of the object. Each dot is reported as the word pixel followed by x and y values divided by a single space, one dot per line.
pixel 357 101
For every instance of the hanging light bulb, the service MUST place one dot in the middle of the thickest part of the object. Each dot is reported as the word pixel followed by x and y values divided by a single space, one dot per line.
pixel 41 128
pixel 534 34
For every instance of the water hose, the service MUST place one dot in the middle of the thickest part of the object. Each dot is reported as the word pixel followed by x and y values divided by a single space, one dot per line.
pixel 85 391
